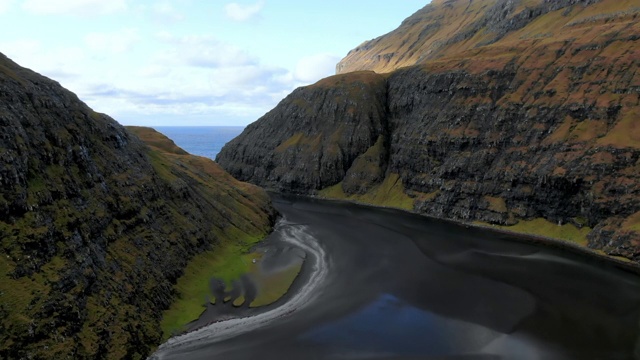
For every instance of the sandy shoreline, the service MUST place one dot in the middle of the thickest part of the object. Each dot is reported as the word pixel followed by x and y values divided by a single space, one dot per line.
pixel 311 276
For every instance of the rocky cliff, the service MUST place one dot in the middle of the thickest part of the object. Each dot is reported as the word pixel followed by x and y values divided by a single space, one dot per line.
pixel 513 113
pixel 96 226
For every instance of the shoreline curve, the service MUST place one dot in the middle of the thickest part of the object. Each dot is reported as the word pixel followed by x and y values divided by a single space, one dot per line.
pixel 295 234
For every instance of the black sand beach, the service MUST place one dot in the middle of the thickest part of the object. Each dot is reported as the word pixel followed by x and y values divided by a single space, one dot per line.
pixel 384 284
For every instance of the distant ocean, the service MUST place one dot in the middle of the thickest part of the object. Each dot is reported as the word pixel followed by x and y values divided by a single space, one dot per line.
pixel 201 140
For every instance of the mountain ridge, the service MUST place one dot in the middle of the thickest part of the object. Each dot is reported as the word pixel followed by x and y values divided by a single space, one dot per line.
pixel 425 36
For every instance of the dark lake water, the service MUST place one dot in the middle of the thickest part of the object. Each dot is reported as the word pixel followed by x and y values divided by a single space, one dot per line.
pixel 384 284
pixel 201 140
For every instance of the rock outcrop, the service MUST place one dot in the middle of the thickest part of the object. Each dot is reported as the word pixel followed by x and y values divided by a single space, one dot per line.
pixel 524 119
pixel 312 138
pixel 96 226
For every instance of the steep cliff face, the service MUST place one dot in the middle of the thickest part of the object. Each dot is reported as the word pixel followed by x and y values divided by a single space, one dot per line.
pixel 96 227
pixel 314 135
pixel 535 127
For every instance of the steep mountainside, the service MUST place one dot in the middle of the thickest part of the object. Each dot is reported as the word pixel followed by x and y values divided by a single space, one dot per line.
pixel 96 227
pixel 448 27
pixel 525 116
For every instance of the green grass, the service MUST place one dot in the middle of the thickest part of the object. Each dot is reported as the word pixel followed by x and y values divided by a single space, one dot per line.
pixel 626 132
pixel 228 262
pixel 496 204
pixel 16 295
pixel 292 141
pixel 10 73
pixel 389 193
pixel 155 139
pixel 239 301
pixel 542 227
pixel 333 192
pixel 274 286
pixel 632 223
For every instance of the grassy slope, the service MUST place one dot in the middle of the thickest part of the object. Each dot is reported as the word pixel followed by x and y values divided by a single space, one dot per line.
pixel 389 193
pixel 225 260
pixel 433 34
pixel 228 260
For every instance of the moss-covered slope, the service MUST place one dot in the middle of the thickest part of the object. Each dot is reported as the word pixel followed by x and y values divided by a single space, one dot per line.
pixel 533 118
pixel 95 226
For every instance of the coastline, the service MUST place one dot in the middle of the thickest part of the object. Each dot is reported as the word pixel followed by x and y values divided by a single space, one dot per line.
pixel 494 295
pixel 299 282
pixel 311 276
pixel 564 245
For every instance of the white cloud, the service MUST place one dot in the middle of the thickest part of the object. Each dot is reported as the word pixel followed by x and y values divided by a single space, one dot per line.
pixel 20 50
pixel 5 5
pixel 194 78
pixel 74 7
pixel 187 76
pixel 165 12
pixel 315 67
pixel 64 64
pixel 239 12
pixel 204 51
pixel 154 71
pixel 114 42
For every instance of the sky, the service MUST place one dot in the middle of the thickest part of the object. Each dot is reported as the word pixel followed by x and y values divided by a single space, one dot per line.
pixel 190 62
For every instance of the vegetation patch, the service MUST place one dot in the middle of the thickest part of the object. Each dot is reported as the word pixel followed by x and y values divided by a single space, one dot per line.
pixel 333 192
pixel 157 140
pixel 626 133
pixel 389 193
pixel 632 223
pixel 542 227
pixel 239 301
pixel 496 204
pixel 227 262
pixel 299 140
pixel 353 78
pixel 273 286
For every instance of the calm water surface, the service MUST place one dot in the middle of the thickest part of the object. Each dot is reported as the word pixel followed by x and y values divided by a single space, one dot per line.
pixel 399 286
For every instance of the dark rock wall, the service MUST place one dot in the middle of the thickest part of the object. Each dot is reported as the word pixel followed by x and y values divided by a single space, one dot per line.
pixel 521 131
pixel 465 151
pixel 314 135
pixel 94 227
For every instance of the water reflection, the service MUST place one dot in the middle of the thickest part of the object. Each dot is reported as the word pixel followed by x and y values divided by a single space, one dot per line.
pixel 391 327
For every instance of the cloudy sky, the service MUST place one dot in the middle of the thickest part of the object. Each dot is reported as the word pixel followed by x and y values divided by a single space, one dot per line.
pixel 189 62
